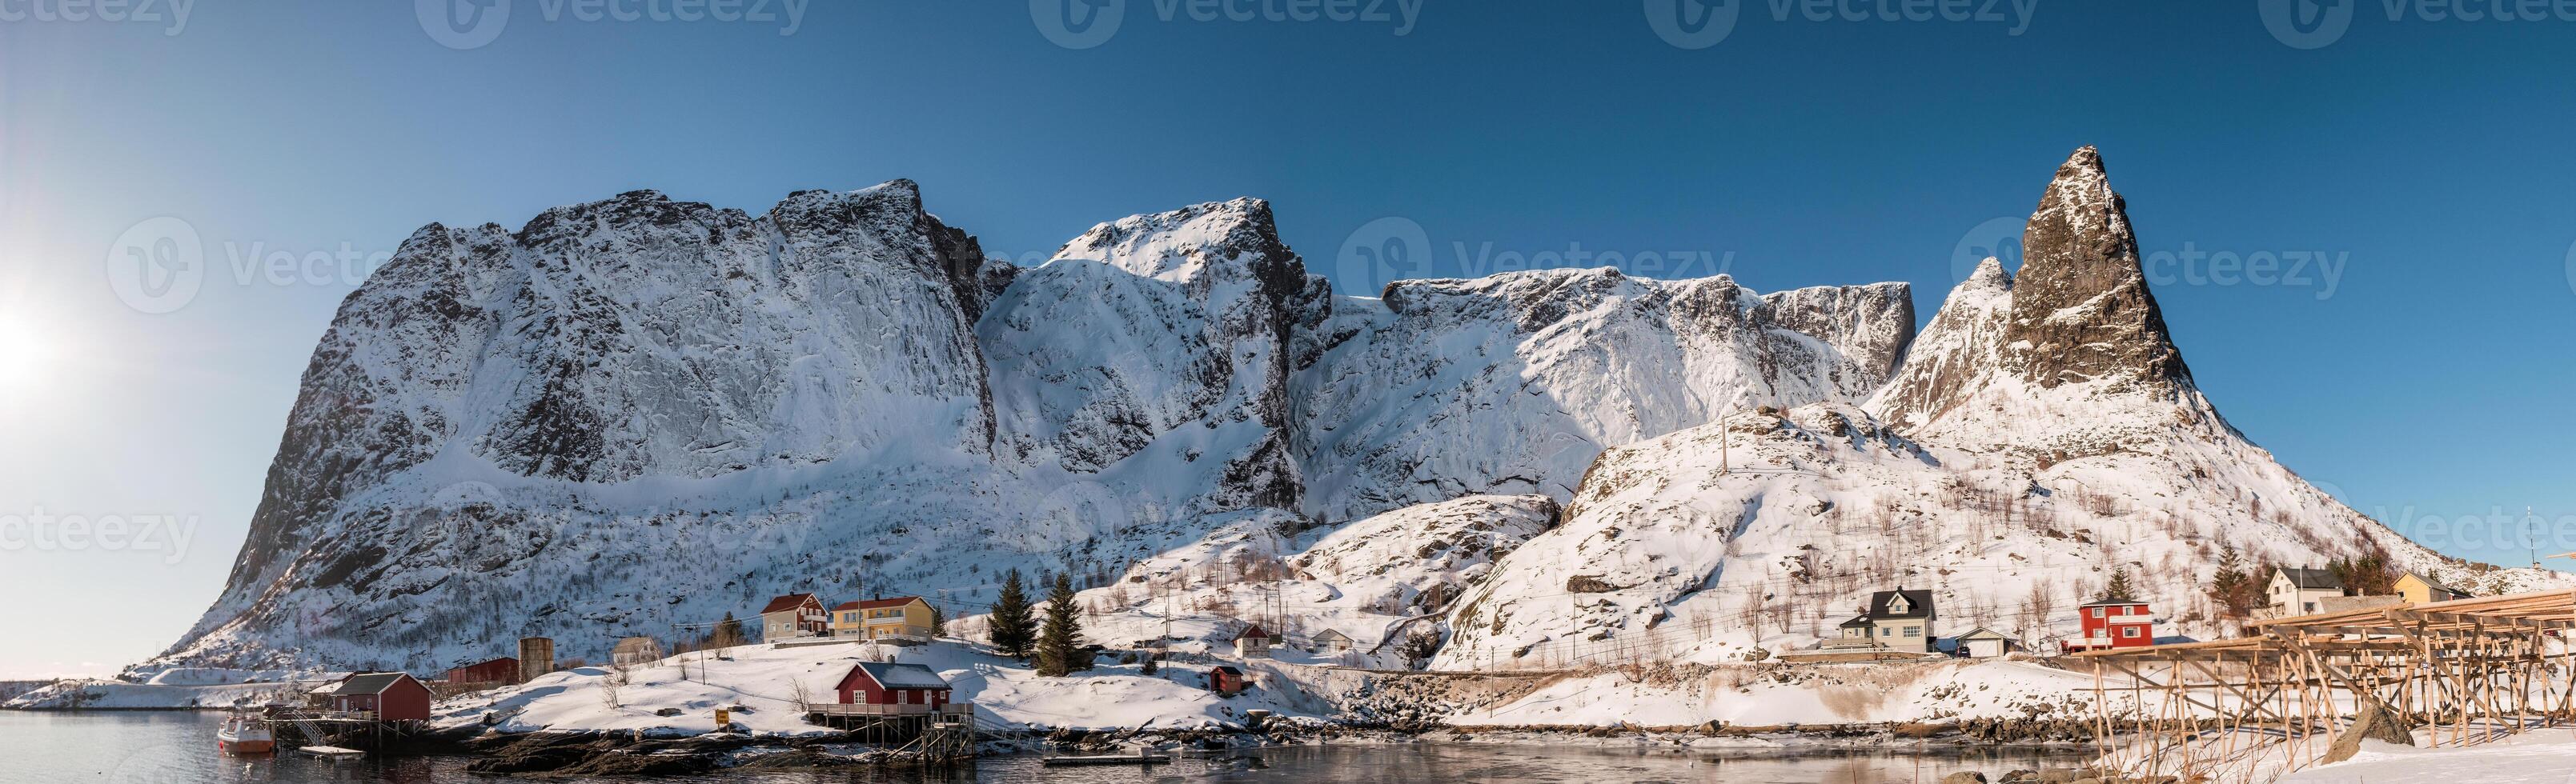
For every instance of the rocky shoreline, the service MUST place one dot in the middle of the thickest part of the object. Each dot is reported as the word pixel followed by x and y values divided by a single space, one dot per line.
pixel 552 753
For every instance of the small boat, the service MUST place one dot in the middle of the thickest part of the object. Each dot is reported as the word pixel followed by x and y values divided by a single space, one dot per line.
pixel 243 734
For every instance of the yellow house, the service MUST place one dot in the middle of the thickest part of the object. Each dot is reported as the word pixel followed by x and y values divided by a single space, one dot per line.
pixel 906 616
pixel 2419 589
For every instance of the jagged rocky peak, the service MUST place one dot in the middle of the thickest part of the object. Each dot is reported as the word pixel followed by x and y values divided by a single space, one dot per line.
pixel 2080 302
pixel 1204 245
pixel 2078 314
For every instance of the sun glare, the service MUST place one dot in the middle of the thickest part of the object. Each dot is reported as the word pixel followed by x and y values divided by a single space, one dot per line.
pixel 23 357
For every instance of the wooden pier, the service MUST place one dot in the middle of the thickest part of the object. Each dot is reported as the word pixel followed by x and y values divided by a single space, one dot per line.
pixel 2296 692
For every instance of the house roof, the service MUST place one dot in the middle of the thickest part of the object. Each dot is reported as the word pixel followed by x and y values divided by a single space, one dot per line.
pixel 2322 579
pixel 371 682
pixel 2435 585
pixel 1919 604
pixel 1228 669
pixel 1857 620
pixel 1253 631
pixel 1329 634
pixel 634 644
pixel 788 602
pixel 513 660
pixel 902 676
pixel 1983 633
pixel 2111 602
pixel 880 604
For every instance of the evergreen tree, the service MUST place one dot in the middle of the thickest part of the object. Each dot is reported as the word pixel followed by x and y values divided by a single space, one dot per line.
pixel 1013 628
pixel 2231 587
pixel 1060 637
pixel 2119 587
pixel 938 621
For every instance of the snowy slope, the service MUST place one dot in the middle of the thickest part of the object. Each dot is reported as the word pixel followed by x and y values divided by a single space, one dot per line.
pixel 1511 383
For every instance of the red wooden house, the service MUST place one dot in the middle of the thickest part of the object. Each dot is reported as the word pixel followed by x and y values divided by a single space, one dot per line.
pixel 875 683
pixel 1226 680
pixel 501 670
pixel 388 696
pixel 2114 623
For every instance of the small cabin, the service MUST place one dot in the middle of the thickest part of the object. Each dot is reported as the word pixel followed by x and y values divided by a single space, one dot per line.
pixel 1982 643
pixel 383 696
pixel 1253 643
pixel 1226 680
pixel 1330 642
pixel 501 670
pixel 885 683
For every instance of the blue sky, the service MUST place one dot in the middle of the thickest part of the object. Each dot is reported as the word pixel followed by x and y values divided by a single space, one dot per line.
pixel 2426 159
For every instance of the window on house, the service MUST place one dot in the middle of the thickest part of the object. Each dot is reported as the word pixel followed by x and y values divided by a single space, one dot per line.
pixel 2129 632
pixel 1887 632
pixel 1914 631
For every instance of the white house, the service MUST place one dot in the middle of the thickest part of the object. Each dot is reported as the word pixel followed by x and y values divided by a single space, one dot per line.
pixel 2299 591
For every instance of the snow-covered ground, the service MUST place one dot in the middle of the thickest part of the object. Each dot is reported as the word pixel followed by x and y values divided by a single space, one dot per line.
pixel 119 695
pixel 1770 697
pixel 2542 757
pixel 770 681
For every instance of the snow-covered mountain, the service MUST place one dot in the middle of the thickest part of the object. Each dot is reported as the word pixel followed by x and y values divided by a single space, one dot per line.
pixel 2042 434
pixel 636 414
